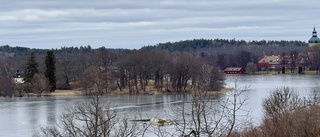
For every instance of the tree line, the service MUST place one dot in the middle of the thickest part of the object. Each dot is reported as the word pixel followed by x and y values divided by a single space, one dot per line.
pixel 231 53
pixel 213 46
pixel 102 71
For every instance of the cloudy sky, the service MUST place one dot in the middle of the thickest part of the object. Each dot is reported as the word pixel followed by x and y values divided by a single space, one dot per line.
pixel 132 24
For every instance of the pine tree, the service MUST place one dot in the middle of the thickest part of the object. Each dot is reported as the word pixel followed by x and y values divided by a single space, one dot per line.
pixel 50 72
pixel 31 68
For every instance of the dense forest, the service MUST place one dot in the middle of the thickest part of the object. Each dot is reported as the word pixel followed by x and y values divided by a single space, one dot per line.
pixel 225 46
pixel 225 53
pixel 178 66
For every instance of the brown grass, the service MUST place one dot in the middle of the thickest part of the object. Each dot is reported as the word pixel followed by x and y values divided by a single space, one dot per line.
pixel 72 92
pixel 150 89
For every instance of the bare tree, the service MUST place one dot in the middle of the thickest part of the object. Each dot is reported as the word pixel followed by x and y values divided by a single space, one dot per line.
pixel 286 114
pixel 66 70
pixel 205 116
pixel 243 57
pixel 251 67
pixel 91 119
pixel 7 87
pixel 40 84
pixel 293 57
pixel 96 80
pixel 281 101
pixel 210 78
pixel 184 70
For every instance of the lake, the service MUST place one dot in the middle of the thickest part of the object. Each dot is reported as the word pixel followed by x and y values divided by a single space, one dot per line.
pixel 23 116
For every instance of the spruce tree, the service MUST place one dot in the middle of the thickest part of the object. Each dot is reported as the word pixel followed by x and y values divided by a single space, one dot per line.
pixel 31 68
pixel 50 72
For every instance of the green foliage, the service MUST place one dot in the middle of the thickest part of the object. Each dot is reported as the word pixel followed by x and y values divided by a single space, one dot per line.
pixel 31 68
pixel 50 72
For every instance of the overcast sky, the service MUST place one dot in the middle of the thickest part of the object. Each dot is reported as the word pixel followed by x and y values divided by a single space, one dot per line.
pixel 132 24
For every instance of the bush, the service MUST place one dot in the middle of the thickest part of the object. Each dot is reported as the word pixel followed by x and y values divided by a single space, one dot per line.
pixel 91 118
pixel 7 87
pixel 287 115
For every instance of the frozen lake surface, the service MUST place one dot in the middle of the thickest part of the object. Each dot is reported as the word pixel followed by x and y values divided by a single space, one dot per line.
pixel 23 116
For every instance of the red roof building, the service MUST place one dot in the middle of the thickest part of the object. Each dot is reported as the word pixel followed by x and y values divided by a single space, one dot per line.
pixel 277 62
pixel 234 70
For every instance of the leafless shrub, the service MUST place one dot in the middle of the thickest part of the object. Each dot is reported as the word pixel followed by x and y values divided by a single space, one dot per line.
pixel 281 101
pixel 210 78
pixel 204 116
pixel 287 115
pixel 7 87
pixel 39 84
pixel 96 80
pixel 91 119
pixel 251 68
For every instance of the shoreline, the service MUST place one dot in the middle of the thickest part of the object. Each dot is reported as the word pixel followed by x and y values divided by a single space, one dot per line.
pixel 73 92
pixel 274 72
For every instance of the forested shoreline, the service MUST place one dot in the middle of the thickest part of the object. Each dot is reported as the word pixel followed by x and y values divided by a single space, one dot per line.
pixel 100 71
pixel 177 66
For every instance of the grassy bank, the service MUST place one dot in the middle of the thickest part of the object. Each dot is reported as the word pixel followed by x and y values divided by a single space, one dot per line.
pixel 77 92
pixel 71 92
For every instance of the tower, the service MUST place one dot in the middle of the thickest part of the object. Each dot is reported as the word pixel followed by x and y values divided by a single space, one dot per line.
pixel 314 40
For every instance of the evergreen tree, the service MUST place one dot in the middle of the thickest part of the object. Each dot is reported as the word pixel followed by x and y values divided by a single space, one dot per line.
pixel 31 68
pixel 50 72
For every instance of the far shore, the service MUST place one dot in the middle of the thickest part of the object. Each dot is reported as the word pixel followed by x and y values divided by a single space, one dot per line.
pixel 151 91
pixel 77 92
pixel 287 72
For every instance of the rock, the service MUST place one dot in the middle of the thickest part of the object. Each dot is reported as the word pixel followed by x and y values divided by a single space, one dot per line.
pixel 161 121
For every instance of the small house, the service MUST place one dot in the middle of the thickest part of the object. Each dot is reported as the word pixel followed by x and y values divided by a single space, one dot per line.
pixel 234 70
pixel 17 78
pixel 17 74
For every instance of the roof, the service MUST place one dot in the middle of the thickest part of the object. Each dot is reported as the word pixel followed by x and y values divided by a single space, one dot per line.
pixel 314 38
pixel 281 60
pixel 233 69
pixel 270 59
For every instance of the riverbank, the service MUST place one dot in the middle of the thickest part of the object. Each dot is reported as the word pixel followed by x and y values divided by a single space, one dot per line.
pixel 150 90
pixel 65 93
pixel 77 92
pixel 288 72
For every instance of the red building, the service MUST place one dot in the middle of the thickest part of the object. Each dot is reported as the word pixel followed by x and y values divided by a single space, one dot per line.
pixel 269 62
pixel 234 70
pixel 278 62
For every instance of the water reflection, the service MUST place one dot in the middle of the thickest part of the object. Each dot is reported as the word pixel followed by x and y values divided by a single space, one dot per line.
pixel 51 111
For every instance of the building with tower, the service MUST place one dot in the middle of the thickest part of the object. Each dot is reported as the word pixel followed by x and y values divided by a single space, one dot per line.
pixel 314 41
pixel 301 61
pixel 314 48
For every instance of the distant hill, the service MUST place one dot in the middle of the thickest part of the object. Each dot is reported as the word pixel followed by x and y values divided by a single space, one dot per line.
pixel 10 51
pixel 225 46
pixel 195 47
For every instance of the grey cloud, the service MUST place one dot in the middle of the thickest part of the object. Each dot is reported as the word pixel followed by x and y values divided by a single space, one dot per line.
pixel 135 23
